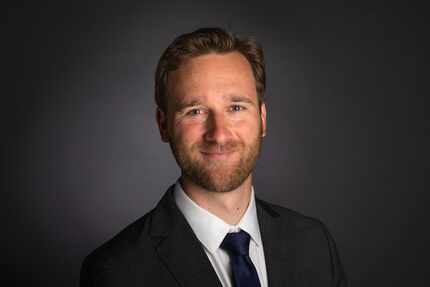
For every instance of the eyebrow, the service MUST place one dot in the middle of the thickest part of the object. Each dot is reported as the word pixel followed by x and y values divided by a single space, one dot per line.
pixel 183 105
pixel 179 106
pixel 241 99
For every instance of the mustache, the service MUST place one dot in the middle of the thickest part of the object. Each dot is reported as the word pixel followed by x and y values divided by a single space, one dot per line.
pixel 229 146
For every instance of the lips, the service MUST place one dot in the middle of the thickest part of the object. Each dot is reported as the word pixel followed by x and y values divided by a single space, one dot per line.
pixel 218 151
pixel 217 155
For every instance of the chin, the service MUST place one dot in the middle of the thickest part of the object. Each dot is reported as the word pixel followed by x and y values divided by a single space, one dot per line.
pixel 223 181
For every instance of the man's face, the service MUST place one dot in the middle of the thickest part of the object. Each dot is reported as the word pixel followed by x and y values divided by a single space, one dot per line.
pixel 214 123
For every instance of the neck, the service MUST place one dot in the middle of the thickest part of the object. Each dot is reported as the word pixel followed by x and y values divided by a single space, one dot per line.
pixel 229 206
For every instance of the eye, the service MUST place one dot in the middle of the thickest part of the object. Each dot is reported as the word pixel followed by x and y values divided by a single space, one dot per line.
pixel 237 108
pixel 194 112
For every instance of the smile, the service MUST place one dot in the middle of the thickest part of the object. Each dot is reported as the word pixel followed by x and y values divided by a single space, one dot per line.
pixel 217 155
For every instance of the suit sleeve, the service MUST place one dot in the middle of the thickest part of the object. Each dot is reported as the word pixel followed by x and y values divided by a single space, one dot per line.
pixel 93 272
pixel 338 273
pixel 86 279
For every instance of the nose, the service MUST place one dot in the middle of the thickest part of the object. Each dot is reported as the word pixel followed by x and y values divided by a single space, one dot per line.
pixel 217 129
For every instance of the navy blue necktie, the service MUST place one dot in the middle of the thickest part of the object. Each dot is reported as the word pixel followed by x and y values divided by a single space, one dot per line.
pixel 237 247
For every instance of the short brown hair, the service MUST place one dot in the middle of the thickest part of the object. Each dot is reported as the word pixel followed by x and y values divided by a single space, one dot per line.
pixel 204 41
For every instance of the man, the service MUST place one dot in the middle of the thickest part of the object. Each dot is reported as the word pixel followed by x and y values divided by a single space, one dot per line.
pixel 209 229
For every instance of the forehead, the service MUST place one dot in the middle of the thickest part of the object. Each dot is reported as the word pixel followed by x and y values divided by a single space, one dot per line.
pixel 212 75
pixel 221 62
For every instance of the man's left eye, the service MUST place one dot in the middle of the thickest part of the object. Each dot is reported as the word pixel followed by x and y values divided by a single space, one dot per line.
pixel 236 108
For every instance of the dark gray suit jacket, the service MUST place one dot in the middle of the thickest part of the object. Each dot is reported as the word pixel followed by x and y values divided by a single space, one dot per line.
pixel 160 249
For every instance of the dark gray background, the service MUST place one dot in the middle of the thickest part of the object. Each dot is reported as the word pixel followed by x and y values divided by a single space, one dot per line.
pixel 83 157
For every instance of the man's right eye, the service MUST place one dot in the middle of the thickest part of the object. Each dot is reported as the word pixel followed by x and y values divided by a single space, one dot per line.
pixel 194 112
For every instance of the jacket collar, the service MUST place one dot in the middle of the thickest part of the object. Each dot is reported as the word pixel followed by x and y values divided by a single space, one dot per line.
pixel 182 253
pixel 278 237
pixel 178 247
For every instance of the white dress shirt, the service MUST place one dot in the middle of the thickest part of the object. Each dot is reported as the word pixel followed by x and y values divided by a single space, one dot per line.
pixel 211 230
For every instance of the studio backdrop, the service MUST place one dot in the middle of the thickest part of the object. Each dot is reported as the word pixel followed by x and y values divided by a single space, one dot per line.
pixel 83 156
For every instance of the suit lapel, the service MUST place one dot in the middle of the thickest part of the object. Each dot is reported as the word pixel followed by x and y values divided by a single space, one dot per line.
pixel 178 247
pixel 275 241
pixel 182 254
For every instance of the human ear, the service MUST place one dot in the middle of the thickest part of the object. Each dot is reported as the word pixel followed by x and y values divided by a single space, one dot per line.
pixel 263 114
pixel 162 125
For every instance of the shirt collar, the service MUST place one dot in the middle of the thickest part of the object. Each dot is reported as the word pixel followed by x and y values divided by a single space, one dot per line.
pixel 210 229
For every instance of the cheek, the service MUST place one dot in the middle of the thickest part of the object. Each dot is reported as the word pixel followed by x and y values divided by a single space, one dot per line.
pixel 248 127
pixel 187 134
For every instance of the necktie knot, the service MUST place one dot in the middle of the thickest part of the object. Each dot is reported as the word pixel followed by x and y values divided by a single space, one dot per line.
pixel 236 243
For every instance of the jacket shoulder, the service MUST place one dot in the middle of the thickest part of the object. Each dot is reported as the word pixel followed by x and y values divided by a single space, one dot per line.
pixel 113 257
pixel 292 218
pixel 308 240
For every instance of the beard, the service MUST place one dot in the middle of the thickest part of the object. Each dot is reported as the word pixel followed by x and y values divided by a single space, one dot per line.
pixel 217 175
